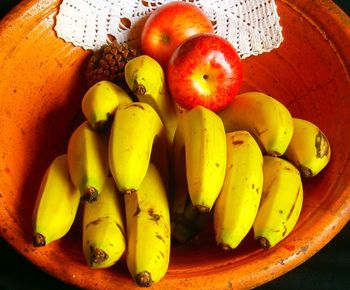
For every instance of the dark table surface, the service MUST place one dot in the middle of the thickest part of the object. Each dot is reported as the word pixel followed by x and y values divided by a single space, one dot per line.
pixel 329 269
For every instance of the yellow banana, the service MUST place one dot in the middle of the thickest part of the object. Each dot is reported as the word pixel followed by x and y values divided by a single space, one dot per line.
pixel 267 119
pixel 88 160
pixel 133 133
pixel 100 102
pixel 56 203
pixel 309 150
pixel 201 134
pixel 238 202
pixel 103 228
pixel 148 230
pixel 281 201
pixel 145 77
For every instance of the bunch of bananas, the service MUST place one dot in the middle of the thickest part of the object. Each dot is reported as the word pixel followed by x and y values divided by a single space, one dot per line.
pixel 147 170
pixel 121 183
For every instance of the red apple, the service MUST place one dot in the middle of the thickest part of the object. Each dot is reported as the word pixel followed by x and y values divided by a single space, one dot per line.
pixel 168 26
pixel 204 70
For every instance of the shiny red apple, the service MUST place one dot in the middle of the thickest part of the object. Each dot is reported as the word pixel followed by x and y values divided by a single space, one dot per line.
pixel 168 26
pixel 204 70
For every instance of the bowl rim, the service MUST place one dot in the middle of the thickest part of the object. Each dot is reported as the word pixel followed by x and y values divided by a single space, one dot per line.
pixel 309 9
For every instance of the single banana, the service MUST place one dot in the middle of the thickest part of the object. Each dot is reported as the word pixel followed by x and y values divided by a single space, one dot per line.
pixel 309 150
pixel 148 230
pixel 88 160
pixel 100 102
pixel 103 228
pixel 56 204
pixel 238 202
pixel 281 201
pixel 133 133
pixel 145 77
pixel 201 134
pixel 267 119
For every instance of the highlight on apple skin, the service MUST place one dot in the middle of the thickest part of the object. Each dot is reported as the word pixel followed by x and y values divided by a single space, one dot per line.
pixel 169 25
pixel 204 70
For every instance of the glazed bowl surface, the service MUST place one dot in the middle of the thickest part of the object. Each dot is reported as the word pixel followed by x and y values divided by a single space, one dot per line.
pixel 42 84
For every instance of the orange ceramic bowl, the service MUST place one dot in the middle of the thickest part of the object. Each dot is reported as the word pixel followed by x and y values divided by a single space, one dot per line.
pixel 42 84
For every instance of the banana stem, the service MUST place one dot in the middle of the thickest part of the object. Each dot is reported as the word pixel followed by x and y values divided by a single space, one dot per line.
pixel 189 224
pixel 190 212
pixel 202 208
pixel 225 247
pixel 103 126
pixel 38 240
pixel 144 279
pixel 181 232
pixel 264 243
pixel 129 191
pixel 139 89
pixel 98 256
pixel 306 172
pixel 90 195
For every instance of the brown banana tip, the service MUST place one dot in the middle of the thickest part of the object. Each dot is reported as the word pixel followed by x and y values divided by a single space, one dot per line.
pixel 38 240
pixel 274 153
pixel 90 195
pixel 305 171
pixel 129 191
pixel 264 243
pixel 202 208
pixel 144 279
pixel 225 247
pixel 98 256
pixel 139 89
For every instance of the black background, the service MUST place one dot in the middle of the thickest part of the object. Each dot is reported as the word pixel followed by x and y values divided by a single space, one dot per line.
pixel 329 269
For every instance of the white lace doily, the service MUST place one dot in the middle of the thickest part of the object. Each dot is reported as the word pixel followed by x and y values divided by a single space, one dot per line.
pixel 252 26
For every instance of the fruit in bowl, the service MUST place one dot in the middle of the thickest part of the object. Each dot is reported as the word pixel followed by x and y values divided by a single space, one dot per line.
pixel 41 111
pixel 168 26
pixel 204 70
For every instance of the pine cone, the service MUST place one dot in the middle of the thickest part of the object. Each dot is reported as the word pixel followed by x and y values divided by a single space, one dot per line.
pixel 108 63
